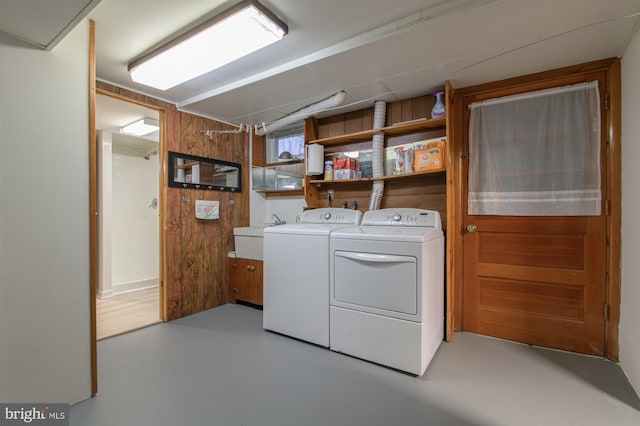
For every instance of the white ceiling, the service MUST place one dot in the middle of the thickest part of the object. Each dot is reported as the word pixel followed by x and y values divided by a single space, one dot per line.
pixel 113 113
pixel 39 24
pixel 372 49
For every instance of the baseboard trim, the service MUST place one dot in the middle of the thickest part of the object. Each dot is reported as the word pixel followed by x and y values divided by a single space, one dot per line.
pixel 128 287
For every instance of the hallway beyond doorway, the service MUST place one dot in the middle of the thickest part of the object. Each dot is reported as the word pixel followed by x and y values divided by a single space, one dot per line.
pixel 126 312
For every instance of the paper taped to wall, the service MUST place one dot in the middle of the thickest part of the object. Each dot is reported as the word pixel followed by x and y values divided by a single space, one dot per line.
pixel 207 209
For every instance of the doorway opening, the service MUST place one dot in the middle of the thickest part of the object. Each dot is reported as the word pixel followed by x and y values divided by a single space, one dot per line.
pixel 128 290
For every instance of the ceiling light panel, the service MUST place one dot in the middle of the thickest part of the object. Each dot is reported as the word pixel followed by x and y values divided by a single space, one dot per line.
pixel 235 33
pixel 141 127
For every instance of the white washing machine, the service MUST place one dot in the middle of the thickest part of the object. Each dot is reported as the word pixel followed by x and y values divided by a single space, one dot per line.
pixel 296 274
pixel 387 288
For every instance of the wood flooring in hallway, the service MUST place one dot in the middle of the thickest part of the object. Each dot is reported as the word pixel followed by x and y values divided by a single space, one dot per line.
pixel 126 312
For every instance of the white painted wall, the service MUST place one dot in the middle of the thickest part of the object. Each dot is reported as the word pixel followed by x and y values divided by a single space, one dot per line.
pixel 630 309
pixel 288 209
pixel 134 225
pixel 45 351
pixel 261 208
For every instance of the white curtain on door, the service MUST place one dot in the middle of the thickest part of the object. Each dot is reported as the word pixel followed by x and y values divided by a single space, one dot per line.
pixel 536 154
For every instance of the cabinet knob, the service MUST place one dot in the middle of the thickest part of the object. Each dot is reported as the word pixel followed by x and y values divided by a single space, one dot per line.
pixel 472 228
pixel 248 267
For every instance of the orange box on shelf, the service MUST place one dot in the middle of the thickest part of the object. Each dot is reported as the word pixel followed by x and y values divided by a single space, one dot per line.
pixel 430 158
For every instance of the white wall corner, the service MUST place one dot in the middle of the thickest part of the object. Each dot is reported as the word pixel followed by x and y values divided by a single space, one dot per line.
pixel 630 300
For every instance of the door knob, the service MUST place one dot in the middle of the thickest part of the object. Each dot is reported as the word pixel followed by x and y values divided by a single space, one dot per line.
pixel 471 228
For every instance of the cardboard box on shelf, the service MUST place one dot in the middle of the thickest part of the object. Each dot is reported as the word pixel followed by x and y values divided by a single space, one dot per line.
pixel 346 163
pixel 342 174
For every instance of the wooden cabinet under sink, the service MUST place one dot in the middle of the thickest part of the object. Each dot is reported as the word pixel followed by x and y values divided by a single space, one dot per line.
pixel 245 281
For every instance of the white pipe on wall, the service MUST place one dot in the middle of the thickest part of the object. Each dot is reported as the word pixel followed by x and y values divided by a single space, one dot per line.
pixel 377 163
pixel 301 114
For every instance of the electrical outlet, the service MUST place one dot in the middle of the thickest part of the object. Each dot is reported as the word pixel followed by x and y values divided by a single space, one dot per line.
pixel 330 194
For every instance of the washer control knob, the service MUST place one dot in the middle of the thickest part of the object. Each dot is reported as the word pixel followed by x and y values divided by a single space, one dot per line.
pixel 327 216
pixel 396 217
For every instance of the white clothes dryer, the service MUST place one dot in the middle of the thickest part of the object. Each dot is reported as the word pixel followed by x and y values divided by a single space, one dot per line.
pixel 387 288
pixel 296 274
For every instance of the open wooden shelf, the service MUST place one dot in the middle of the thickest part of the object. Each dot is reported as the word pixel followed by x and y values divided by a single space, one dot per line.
pixel 395 129
pixel 402 176
pixel 281 192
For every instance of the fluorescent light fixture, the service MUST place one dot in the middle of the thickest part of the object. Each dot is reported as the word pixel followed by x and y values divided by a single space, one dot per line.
pixel 236 32
pixel 141 127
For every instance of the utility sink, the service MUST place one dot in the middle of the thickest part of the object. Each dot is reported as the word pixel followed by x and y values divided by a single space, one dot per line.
pixel 248 241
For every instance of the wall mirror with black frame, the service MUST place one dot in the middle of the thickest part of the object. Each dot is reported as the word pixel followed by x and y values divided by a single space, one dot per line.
pixel 191 171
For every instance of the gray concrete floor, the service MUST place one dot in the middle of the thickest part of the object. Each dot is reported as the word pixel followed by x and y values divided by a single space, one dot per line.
pixel 220 368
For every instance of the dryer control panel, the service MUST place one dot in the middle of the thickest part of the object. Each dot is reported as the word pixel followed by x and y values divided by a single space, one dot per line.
pixel 402 217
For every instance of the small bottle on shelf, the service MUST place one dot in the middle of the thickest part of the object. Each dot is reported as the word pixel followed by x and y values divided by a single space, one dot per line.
pixel 438 110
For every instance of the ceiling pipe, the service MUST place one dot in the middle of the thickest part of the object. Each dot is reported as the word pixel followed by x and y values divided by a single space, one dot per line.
pixel 301 114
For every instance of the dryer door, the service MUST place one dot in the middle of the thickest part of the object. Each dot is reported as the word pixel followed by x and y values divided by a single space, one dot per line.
pixel 375 282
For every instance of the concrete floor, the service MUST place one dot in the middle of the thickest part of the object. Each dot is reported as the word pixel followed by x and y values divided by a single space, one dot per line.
pixel 220 367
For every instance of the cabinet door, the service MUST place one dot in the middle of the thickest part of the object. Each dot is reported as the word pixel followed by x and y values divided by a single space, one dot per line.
pixel 245 281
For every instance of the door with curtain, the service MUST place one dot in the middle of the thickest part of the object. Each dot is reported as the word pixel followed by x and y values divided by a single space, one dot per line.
pixel 534 217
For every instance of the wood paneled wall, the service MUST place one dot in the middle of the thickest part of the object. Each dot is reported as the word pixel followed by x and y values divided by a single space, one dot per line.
pixel 424 192
pixel 193 251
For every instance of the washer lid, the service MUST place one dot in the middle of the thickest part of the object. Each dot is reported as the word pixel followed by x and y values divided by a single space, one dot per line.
pixel 413 234
pixel 304 229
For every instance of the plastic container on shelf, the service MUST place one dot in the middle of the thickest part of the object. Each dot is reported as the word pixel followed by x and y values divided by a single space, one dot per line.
pixel 438 110
pixel 328 170
pixel 430 158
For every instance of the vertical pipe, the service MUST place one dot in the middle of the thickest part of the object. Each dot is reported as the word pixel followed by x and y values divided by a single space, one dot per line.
pixel 379 119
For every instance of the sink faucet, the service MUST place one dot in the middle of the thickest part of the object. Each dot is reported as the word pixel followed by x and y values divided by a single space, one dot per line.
pixel 278 220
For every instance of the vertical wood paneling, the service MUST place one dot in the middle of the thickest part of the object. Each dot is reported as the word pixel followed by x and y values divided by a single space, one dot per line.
pixel 394 113
pixel 353 121
pixel 367 119
pixel 407 110
pixel 191 140
pixel 192 256
pixel 335 125
pixel 172 228
pixel 211 229
pixel 193 237
pixel 422 107
pixel 212 280
pixel 340 124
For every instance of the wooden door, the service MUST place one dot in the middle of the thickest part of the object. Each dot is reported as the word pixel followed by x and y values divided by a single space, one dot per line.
pixel 537 280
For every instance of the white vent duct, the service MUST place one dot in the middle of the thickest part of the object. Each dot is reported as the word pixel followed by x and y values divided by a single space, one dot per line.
pixel 301 114
pixel 379 119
